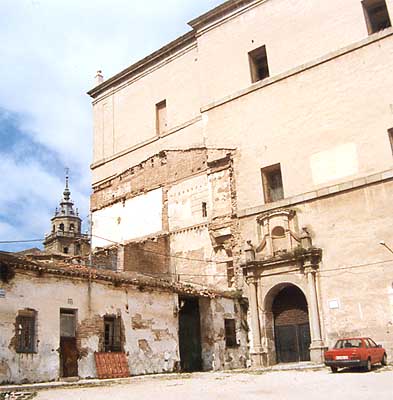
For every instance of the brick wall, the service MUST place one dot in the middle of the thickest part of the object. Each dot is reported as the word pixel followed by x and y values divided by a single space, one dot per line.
pixel 148 256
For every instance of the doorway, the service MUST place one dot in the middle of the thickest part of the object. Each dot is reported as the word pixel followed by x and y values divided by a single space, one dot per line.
pixel 68 346
pixel 291 325
pixel 190 335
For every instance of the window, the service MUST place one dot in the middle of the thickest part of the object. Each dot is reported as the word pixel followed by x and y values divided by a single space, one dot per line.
pixel 230 273
pixel 72 227
pixel 376 14
pixel 112 334
pixel 25 329
pixel 204 209
pixel 230 333
pixel 258 64
pixel 390 132
pixel 67 323
pixel 61 227
pixel 65 250
pixel 272 183
pixel 161 117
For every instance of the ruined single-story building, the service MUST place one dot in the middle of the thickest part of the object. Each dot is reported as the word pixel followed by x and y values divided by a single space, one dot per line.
pixel 57 319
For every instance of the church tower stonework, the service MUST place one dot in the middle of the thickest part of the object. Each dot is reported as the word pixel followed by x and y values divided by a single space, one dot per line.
pixel 66 236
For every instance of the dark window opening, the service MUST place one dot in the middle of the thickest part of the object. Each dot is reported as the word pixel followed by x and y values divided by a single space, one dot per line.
pixel 112 334
pixel 26 331
pixel 376 14
pixel 272 183
pixel 390 132
pixel 61 227
pixel 258 64
pixel 65 250
pixel 230 273
pixel 204 209
pixel 161 117
pixel 230 333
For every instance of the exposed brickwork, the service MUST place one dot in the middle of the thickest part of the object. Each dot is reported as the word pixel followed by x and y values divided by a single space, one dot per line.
pixel 111 365
pixel 149 257
pixel 158 170
pixel 290 307
pixel 106 259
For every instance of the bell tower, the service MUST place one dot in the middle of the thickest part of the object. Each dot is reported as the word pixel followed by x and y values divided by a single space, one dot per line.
pixel 66 236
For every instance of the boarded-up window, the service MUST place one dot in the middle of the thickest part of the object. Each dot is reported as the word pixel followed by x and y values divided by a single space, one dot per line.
pixel 272 183
pixel 161 117
pixel 376 14
pixel 26 331
pixel 258 64
pixel 112 334
pixel 67 323
pixel 230 333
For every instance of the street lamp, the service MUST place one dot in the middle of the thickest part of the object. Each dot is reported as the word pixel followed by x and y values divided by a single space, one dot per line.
pixel 382 243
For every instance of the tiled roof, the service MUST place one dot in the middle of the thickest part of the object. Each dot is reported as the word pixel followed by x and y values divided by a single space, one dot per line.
pixel 67 270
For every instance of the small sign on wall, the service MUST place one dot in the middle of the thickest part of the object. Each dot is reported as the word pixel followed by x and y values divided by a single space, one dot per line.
pixel 2 293
pixel 334 304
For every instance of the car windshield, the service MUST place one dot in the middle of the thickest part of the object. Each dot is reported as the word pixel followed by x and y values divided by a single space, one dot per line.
pixel 348 343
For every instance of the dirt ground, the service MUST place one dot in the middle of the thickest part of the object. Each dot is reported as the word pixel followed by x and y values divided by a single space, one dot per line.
pixel 288 385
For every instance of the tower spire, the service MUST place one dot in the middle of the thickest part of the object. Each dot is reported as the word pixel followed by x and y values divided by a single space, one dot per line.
pixel 66 193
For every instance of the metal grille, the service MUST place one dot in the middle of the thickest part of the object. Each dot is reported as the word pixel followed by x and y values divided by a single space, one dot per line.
pixel 26 334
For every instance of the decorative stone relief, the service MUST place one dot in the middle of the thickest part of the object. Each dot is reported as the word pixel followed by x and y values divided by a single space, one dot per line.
pixel 278 234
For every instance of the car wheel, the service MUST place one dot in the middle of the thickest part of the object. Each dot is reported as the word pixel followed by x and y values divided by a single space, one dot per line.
pixel 368 366
pixel 334 369
pixel 384 360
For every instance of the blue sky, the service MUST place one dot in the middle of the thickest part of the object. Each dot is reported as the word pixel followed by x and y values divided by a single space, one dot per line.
pixel 50 51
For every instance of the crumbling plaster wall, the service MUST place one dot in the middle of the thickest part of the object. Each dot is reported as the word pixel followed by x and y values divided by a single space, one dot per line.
pixel 187 180
pixel 151 345
pixel 215 354
pixel 133 218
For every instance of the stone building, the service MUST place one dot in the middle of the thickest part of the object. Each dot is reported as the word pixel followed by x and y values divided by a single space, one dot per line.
pixel 58 320
pixel 66 234
pixel 255 153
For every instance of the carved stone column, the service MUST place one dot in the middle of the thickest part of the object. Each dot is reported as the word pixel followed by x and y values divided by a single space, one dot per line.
pixel 256 350
pixel 317 346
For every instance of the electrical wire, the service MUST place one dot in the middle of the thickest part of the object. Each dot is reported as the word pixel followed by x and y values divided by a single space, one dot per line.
pixel 322 272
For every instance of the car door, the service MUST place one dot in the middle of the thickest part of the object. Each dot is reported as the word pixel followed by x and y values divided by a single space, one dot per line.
pixel 377 351
pixel 372 350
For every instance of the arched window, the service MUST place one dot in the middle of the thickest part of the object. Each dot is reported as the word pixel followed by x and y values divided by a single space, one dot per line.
pixel 72 227
pixel 61 227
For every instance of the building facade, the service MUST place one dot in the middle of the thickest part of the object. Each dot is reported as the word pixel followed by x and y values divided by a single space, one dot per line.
pixel 259 145
pixel 139 325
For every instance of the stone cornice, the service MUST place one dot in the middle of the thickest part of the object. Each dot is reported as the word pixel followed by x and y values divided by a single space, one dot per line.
pixel 146 62
pixel 219 12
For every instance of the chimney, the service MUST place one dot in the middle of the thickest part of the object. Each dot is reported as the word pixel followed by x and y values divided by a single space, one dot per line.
pixel 99 77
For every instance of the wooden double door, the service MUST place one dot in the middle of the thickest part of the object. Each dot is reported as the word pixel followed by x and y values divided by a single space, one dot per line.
pixel 293 343
pixel 291 325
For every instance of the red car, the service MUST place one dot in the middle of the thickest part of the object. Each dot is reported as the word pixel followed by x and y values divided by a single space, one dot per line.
pixel 355 352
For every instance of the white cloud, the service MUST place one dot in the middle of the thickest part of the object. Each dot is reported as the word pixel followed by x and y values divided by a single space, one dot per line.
pixel 50 50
